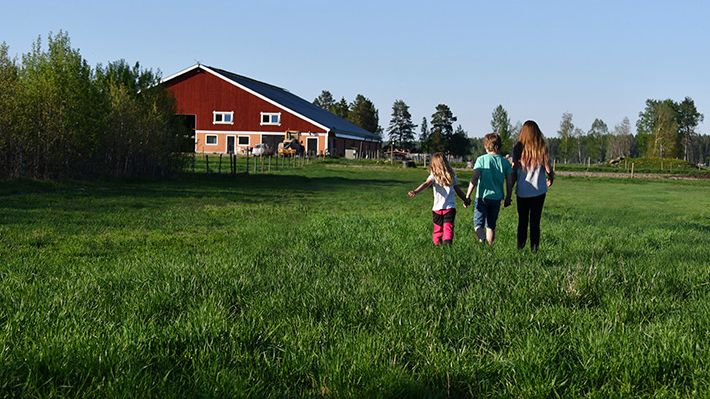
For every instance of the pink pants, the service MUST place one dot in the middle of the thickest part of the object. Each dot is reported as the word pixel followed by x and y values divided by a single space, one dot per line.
pixel 443 226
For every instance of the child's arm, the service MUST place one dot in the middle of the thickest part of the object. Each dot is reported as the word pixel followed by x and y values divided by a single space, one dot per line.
pixel 550 174
pixel 473 183
pixel 509 180
pixel 548 170
pixel 459 192
pixel 419 188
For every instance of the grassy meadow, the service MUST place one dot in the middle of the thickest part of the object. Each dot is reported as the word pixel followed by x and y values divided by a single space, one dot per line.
pixel 322 281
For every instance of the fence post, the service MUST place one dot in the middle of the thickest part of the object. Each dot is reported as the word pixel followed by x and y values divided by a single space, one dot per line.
pixel 269 163
pixel 632 170
pixel 207 164
pixel 219 167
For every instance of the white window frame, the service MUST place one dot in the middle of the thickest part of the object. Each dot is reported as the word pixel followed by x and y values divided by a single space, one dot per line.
pixel 223 113
pixel 216 139
pixel 244 145
pixel 270 114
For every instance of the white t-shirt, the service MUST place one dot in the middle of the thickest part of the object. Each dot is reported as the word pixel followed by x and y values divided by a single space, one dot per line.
pixel 444 196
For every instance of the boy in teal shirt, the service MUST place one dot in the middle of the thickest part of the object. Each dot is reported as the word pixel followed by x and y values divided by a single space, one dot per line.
pixel 489 173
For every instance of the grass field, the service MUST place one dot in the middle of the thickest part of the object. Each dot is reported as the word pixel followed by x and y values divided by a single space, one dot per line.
pixel 322 281
pixel 641 165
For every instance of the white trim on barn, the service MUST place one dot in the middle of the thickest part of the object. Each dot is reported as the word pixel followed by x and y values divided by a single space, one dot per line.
pixel 320 134
pixel 186 70
pixel 347 136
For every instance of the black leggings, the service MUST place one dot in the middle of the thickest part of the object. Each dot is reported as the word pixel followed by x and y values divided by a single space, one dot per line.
pixel 529 210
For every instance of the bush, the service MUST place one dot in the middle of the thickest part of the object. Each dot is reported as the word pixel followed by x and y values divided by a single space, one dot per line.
pixel 62 118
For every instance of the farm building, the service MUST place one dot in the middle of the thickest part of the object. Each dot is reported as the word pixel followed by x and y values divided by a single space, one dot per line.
pixel 230 113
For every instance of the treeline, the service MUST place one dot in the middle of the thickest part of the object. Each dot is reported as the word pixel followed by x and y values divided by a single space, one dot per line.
pixel 438 133
pixel 361 111
pixel 441 137
pixel 61 118
pixel 665 128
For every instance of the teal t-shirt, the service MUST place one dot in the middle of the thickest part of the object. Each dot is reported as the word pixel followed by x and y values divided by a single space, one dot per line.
pixel 493 169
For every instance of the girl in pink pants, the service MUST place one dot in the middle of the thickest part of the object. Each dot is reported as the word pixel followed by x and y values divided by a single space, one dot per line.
pixel 446 186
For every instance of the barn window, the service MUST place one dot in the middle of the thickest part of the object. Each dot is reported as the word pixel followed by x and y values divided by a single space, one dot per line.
pixel 211 139
pixel 220 117
pixel 270 118
pixel 243 140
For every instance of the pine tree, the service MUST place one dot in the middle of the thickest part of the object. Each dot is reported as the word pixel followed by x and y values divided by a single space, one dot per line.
pixel 364 114
pixel 423 131
pixel 500 123
pixel 424 136
pixel 341 108
pixel 325 100
pixel 442 128
pixel 401 128
pixel 460 144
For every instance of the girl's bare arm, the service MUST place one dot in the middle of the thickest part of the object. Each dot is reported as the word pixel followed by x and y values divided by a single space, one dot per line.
pixel 419 188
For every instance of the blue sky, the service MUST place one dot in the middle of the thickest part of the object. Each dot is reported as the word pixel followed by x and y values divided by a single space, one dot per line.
pixel 595 59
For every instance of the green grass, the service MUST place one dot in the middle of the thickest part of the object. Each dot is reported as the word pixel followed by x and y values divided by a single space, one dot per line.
pixel 322 281
pixel 641 165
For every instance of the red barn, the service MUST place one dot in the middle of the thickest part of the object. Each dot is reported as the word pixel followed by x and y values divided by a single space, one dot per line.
pixel 230 112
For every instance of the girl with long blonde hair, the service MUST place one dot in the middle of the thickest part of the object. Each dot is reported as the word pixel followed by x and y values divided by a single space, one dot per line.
pixel 446 186
pixel 531 163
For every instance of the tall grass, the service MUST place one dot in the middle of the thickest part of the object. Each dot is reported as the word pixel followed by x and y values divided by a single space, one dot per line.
pixel 322 281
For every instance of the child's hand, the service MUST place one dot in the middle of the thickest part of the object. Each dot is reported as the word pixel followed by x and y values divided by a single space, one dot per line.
pixel 467 202
pixel 549 182
pixel 411 194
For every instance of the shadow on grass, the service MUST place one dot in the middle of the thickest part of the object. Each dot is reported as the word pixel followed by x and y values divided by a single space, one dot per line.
pixel 97 197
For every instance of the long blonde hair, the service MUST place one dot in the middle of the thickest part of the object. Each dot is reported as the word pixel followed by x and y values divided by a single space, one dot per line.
pixel 441 170
pixel 531 150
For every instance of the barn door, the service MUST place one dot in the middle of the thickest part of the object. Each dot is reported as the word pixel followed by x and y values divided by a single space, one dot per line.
pixel 312 146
